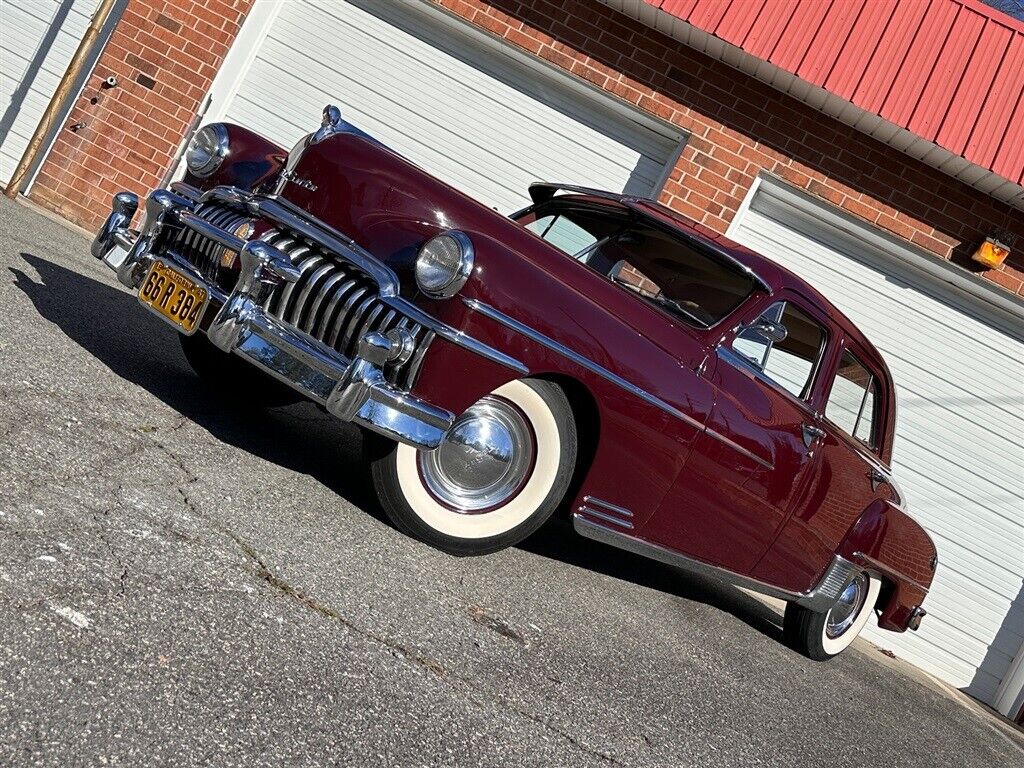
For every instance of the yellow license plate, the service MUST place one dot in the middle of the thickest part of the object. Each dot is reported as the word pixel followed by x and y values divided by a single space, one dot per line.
pixel 173 296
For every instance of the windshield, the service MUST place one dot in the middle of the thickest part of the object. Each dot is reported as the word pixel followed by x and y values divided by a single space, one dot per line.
pixel 665 269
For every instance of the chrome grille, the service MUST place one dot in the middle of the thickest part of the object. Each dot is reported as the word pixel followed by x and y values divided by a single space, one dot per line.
pixel 332 301
pixel 337 304
pixel 201 252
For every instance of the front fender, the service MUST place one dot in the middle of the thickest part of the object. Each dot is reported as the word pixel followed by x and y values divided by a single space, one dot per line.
pixel 253 163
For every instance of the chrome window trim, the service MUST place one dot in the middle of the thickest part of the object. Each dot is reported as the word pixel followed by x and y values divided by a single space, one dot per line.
pixel 807 393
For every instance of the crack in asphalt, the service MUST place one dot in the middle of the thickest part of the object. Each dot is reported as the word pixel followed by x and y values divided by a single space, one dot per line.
pixel 265 574
pixel 404 652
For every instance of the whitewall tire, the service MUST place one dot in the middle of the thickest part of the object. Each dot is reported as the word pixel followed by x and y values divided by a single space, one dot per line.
pixel 822 635
pixel 500 473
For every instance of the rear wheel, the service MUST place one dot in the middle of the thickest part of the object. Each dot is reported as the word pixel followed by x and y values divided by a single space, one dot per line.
pixel 822 635
pixel 229 376
pixel 500 472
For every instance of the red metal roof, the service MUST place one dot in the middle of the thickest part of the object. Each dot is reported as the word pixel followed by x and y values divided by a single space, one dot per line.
pixel 949 71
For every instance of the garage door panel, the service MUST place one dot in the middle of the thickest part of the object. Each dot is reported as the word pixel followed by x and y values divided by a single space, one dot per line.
pixel 499 73
pixel 455 159
pixel 457 106
pixel 973 467
pixel 958 455
pixel 480 115
pixel 39 40
pixel 478 121
pixel 871 287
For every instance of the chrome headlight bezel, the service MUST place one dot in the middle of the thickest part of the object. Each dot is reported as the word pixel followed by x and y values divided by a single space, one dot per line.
pixel 207 150
pixel 439 275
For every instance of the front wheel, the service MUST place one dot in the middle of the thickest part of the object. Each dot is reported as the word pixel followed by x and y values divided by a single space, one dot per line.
pixel 821 635
pixel 498 475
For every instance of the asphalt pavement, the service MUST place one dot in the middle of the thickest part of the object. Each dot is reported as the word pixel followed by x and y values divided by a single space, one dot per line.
pixel 185 583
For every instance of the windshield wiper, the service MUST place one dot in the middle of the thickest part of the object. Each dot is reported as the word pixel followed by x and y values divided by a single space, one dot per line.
pixel 664 301
pixel 661 300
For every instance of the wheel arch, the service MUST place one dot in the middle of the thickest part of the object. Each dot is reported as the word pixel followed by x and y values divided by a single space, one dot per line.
pixel 587 416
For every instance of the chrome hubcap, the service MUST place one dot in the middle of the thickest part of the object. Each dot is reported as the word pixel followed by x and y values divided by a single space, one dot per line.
pixel 483 460
pixel 847 607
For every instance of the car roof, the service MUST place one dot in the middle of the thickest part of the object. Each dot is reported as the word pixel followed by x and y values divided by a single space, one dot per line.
pixel 769 273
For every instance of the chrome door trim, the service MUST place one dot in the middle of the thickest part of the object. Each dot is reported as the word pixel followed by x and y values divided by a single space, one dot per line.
pixel 584 362
pixel 740 449
pixel 821 597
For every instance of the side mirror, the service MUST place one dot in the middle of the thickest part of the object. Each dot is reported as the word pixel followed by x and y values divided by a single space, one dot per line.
pixel 772 330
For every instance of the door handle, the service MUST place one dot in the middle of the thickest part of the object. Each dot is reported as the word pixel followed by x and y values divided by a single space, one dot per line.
pixel 812 434
pixel 878 477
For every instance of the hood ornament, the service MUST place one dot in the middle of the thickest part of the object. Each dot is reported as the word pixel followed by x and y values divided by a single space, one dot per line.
pixel 331 124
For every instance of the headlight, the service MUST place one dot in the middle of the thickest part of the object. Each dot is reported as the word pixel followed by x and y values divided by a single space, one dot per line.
pixel 444 264
pixel 207 151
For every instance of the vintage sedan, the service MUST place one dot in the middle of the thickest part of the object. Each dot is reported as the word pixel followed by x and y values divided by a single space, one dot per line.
pixel 685 398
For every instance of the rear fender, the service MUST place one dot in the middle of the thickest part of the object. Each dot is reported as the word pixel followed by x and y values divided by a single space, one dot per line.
pixel 888 543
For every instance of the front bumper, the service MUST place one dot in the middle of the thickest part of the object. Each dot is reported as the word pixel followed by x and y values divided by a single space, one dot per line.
pixel 350 389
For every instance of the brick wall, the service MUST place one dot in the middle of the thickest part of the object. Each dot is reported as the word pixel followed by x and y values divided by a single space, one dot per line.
pixel 741 127
pixel 164 54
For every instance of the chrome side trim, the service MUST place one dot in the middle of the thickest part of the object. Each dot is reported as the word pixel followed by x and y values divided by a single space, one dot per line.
pixel 602 510
pixel 820 598
pixel 883 568
pixel 596 502
pixel 488 311
pixel 584 510
pixel 739 448
pixel 590 365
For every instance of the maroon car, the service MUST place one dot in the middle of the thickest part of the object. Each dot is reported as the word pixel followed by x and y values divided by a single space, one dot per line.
pixel 686 398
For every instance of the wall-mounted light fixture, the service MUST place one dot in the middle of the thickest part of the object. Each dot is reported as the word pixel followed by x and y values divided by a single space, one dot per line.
pixel 991 253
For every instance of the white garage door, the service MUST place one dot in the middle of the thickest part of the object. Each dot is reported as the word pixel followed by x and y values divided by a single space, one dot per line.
pixel 959 454
pixel 447 96
pixel 38 41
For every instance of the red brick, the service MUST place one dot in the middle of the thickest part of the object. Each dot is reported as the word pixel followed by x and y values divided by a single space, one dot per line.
pixel 1005 279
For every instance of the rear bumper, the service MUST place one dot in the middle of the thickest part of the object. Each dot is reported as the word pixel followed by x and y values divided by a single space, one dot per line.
pixel 350 389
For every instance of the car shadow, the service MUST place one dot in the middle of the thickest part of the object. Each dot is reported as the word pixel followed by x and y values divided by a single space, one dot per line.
pixel 108 323
pixel 558 541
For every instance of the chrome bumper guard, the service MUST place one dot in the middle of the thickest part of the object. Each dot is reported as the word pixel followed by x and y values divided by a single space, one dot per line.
pixel 352 390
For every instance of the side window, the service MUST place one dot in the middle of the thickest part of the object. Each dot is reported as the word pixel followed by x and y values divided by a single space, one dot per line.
pixel 790 362
pixel 562 232
pixel 854 400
